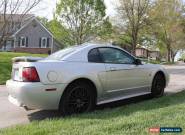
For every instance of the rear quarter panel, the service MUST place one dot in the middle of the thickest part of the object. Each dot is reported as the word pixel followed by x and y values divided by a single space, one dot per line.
pixel 66 72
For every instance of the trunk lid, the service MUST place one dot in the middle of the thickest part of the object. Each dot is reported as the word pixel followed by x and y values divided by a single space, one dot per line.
pixel 26 59
pixel 19 63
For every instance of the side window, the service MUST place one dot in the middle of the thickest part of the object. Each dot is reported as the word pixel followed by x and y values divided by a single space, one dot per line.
pixel 44 42
pixel 94 56
pixel 115 56
pixel 23 41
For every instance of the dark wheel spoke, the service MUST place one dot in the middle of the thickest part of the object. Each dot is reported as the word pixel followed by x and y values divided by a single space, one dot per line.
pixel 72 102
pixel 79 97
pixel 78 100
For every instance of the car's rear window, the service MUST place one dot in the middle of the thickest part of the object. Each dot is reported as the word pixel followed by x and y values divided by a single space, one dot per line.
pixel 60 54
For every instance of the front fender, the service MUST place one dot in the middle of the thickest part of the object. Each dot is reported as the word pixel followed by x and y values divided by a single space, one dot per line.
pixel 165 74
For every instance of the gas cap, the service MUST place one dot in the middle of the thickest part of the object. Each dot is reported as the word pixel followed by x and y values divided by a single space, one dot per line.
pixel 52 76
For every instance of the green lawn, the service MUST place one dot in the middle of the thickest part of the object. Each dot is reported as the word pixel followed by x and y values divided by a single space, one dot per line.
pixel 6 64
pixel 133 119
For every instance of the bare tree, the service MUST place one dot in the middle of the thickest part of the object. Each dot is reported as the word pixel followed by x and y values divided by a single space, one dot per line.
pixel 8 8
pixel 133 15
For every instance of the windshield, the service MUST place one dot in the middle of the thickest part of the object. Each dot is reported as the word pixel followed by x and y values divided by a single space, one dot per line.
pixel 60 54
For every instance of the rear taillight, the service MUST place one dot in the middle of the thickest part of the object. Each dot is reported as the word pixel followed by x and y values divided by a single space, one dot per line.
pixel 29 74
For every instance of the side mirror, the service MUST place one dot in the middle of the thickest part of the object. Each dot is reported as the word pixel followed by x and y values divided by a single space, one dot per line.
pixel 138 62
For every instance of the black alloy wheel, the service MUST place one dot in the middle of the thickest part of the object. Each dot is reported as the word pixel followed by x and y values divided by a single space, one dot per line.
pixel 78 98
pixel 158 85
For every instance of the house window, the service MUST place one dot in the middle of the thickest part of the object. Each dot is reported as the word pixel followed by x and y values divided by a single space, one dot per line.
pixel 44 42
pixel 23 42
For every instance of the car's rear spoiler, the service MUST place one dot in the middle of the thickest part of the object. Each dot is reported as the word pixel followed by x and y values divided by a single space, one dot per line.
pixel 26 59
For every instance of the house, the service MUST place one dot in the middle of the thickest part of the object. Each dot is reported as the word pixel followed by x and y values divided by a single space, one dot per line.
pixel 145 53
pixel 155 55
pixel 28 34
pixel 142 52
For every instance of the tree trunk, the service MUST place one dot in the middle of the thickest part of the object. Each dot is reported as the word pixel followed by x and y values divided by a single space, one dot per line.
pixel 133 51
pixel 173 54
pixel 173 59
pixel 134 44
pixel 168 53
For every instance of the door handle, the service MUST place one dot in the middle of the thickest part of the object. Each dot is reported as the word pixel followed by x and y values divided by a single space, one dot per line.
pixel 113 69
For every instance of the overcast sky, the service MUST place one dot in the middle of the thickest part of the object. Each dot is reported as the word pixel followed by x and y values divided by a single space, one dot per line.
pixel 47 7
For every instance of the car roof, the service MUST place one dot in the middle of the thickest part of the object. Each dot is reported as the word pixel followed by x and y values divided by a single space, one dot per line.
pixel 80 52
pixel 93 45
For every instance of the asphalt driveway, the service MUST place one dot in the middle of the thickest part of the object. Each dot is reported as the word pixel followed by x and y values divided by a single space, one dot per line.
pixel 11 115
pixel 177 78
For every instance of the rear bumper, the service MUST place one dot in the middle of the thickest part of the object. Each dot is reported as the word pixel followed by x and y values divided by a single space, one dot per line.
pixel 15 101
pixel 35 95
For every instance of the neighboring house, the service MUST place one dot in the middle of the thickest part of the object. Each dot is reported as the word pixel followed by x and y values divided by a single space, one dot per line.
pixel 155 55
pixel 28 34
pixel 142 52
pixel 145 53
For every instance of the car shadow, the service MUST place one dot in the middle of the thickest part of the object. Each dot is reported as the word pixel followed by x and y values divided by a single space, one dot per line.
pixel 115 109
pixel 43 114
pixel 49 114
pixel 120 103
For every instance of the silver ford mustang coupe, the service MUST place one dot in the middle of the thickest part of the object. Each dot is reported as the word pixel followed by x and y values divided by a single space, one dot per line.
pixel 76 79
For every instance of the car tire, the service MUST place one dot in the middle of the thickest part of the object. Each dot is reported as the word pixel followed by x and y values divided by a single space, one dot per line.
pixel 158 85
pixel 77 98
